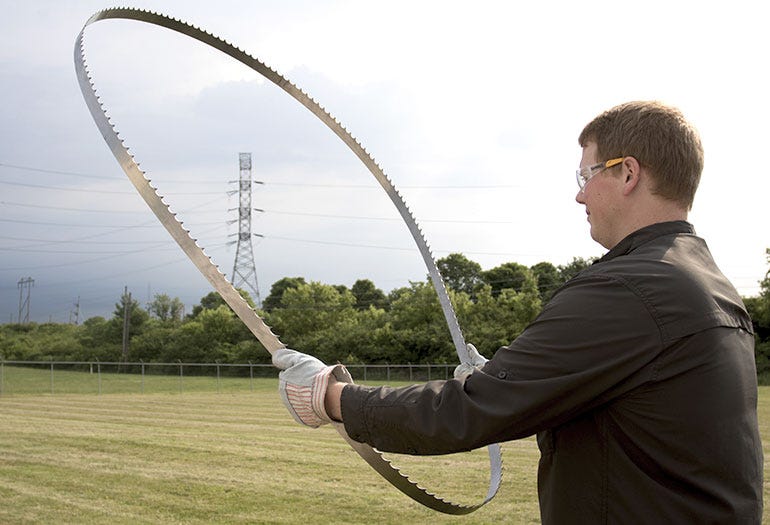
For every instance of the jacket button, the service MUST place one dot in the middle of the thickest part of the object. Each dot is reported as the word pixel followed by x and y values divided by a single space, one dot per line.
pixel 502 374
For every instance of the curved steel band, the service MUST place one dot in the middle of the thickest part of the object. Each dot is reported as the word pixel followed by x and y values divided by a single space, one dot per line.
pixel 255 324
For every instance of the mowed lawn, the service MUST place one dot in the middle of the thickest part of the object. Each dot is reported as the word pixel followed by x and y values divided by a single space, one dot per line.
pixel 231 455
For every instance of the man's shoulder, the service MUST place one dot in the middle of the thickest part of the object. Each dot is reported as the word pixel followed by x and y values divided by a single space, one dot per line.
pixel 677 256
pixel 677 278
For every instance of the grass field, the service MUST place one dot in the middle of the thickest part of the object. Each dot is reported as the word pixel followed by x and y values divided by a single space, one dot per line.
pixel 231 455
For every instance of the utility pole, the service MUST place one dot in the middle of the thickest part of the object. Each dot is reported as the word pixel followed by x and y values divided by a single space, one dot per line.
pixel 126 320
pixel 244 270
pixel 76 312
pixel 25 284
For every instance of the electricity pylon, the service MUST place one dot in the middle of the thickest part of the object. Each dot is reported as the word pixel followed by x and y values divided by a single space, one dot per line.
pixel 244 270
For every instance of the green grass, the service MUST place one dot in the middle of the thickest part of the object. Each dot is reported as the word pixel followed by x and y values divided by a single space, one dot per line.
pixel 208 456
pixel 233 456
pixel 106 379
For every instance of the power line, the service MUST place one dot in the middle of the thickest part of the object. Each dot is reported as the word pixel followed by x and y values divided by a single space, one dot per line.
pixel 404 186
pixel 70 225
pixel 61 208
pixel 280 212
pixel 58 188
pixel 60 241
pixel 394 219
pixel 57 172
pixel 278 183
pixel 111 192
pixel 150 224
pixel 334 243
pixel 397 248
pixel 124 252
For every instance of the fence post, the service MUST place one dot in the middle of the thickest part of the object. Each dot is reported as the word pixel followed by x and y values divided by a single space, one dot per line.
pixel 251 376
pixel 99 375
pixel 180 375
pixel 387 368
pixel 410 372
pixel 217 361
pixel 2 374
pixel 142 361
pixel 51 377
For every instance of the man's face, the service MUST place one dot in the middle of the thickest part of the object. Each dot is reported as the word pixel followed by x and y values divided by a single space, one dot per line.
pixel 601 196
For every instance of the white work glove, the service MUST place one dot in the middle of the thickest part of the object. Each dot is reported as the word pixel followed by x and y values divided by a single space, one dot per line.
pixel 476 362
pixel 302 385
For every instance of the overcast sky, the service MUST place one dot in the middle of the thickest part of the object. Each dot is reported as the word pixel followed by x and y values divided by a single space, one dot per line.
pixel 472 109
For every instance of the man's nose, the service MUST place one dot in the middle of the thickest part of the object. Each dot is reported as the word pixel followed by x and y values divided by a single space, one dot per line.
pixel 580 197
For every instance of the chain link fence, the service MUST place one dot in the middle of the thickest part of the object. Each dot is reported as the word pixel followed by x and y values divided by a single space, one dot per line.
pixel 80 377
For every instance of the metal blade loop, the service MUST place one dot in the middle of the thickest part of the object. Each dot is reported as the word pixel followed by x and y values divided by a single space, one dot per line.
pixel 220 283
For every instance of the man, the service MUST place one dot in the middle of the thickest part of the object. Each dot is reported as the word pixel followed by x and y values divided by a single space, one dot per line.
pixel 638 376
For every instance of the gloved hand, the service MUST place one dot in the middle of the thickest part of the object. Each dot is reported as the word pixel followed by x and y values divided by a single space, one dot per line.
pixel 302 385
pixel 476 362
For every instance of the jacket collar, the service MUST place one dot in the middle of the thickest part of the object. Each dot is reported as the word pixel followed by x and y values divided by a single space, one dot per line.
pixel 646 234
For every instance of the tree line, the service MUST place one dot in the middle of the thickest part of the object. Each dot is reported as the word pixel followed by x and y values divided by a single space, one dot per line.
pixel 360 324
pixel 759 309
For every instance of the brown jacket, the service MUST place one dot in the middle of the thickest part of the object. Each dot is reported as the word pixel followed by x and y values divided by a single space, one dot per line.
pixel 638 378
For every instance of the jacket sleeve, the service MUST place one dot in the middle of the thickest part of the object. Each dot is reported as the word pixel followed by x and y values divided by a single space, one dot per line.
pixel 595 340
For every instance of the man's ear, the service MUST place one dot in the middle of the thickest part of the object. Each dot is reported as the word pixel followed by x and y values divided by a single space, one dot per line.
pixel 631 173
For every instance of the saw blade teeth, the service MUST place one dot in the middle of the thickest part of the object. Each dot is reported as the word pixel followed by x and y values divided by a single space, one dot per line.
pixel 197 253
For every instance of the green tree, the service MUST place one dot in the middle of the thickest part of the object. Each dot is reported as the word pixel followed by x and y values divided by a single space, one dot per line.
pixel 310 315
pixel 493 321
pixel 45 342
pixel 368 295
pixel 210 301
pixel 154 341
pixel 211 336
pixel 419 330
pixel 763 313
pixel 18 342
pixel 759 310
pixel 137 317
pixel 213 300
pixel 366 337
pixel 59 341
pixel 341 288
pixel 165 308
pixel 273 300
pixel 460 273
pixel 509 275
pixel 98 340
pixel 548 279
pixel 249 351
pixel 571 269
